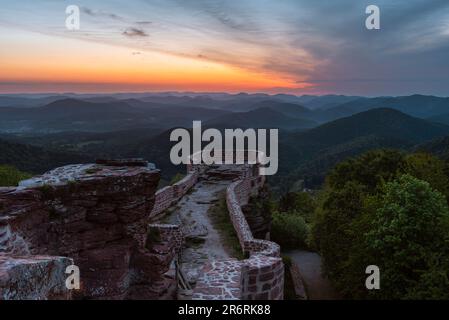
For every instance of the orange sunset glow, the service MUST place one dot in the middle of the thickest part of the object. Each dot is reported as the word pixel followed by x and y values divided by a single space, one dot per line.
pixel 233 46
pixel 44 59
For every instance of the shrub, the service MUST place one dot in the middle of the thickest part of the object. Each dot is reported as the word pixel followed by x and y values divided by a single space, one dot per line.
pixel 290 231
pixel 301 203
pixel 10 176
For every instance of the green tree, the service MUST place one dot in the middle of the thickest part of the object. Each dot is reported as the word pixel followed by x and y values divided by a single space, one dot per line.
pixel 370 169
pixel 429 168
pixel 337 232
pixel 347 208
pixel 300 203
pixel 290 231
pixel 409 241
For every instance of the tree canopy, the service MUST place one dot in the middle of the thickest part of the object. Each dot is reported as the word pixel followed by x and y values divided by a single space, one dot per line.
pixel 389 209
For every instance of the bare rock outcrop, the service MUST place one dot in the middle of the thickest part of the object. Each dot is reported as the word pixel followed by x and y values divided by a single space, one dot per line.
pixel 96 214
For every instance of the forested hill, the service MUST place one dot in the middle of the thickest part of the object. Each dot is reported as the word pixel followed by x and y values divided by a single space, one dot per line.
pixel 308 156
pixel 35 159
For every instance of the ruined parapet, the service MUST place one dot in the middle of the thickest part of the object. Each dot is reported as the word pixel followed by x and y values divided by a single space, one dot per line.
pixel 263 271
pixel 259 219
pixel 163 200
pixel 162 235
pixel 98 216
pixel 181 187
pixel 168 196
pixel 95 214
pixel 155 277
pixel 261 276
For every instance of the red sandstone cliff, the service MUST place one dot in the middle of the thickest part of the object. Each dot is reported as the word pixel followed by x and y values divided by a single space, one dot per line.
pixel 97 215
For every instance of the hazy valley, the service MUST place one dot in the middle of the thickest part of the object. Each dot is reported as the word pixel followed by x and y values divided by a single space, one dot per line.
pixel 40 132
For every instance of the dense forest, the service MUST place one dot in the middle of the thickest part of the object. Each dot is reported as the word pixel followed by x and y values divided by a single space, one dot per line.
pixel 385 208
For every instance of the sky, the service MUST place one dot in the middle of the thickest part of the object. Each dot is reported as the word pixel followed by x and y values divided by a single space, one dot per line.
pixel 272 46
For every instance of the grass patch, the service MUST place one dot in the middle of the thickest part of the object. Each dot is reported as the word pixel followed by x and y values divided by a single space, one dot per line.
pixel 10 176
pixel 219 216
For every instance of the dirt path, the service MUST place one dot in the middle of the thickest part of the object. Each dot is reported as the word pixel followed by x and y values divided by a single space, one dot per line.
pixel 203 242
pixel 309 263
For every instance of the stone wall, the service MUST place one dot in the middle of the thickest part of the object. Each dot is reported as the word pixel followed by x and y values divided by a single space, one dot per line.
pixel 261 276
pixel 163 200
pixel 263 272
pixel 258 218
pixel 97 215
pixel 162 245
pixel 183 186
pixel 169 195
pixel 161 234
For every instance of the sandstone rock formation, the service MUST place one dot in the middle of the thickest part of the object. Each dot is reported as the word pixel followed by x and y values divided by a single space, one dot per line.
pixel 97 215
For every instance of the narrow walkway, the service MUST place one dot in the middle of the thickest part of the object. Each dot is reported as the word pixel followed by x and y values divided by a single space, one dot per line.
pixel 203 241
pixel 309 263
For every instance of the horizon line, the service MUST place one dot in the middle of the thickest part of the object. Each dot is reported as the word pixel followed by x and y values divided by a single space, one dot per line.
pixel 214 93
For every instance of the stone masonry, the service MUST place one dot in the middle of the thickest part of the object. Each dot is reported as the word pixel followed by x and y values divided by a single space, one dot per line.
pixel 101 216
pixel 261 276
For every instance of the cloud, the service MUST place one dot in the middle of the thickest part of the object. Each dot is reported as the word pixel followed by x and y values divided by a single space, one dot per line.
pixel 93 13
pixel 135 32
pixel 323 43
pixel 143 23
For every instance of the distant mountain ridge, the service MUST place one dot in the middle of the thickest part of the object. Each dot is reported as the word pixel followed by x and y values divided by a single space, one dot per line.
pixel 315 131
pixel 310 154
pixel 77 115
pixel 416 105
pixel 381 122
pixel 263 117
